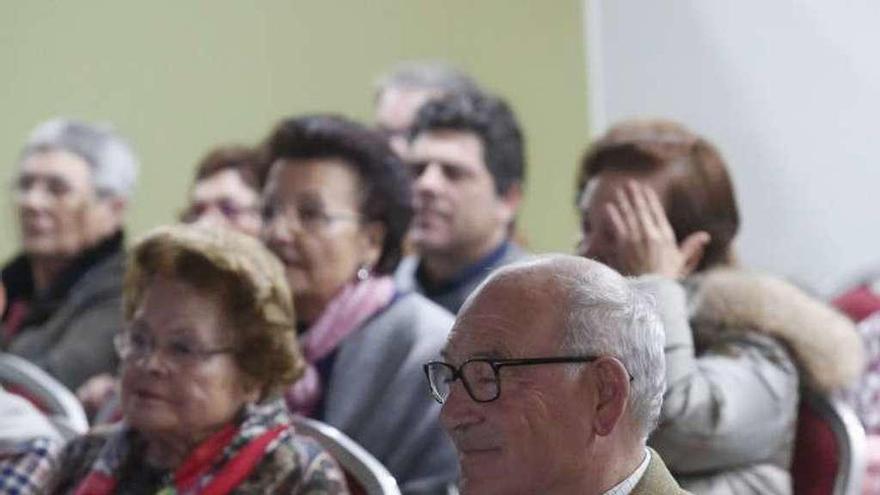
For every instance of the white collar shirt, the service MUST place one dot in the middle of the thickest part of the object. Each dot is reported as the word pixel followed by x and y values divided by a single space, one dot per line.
pixel 627 485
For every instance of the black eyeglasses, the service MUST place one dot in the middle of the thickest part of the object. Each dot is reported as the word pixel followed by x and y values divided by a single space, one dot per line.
pixel 480 375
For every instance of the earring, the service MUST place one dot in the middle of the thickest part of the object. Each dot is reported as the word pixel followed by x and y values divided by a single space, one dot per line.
pixel 363 273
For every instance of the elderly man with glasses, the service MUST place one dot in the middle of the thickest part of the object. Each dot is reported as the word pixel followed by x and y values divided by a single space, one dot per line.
pixel 552 379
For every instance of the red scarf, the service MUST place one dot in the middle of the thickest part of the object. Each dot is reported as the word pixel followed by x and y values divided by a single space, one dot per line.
pixel 196 469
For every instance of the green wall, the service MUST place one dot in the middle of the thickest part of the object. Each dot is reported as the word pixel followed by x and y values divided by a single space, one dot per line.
pixel 177 77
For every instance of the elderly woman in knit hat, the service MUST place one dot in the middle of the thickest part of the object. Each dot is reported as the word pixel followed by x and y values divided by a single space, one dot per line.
pixel 208 343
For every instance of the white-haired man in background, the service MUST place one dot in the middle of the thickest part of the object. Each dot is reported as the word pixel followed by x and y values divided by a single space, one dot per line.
pixel 72 185
pixel 552 379
pixel 409 85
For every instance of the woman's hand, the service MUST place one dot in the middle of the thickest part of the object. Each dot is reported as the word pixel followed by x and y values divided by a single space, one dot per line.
pixel 645 241
pixel 96 391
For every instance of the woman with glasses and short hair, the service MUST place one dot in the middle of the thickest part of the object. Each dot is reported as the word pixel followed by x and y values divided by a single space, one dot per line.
pixel 226 190
pixel 208 344
pixel 336 207
pixel 224 193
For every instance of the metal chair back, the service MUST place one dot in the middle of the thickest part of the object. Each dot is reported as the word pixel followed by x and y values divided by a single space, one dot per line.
pixel 48 394
pixel 360 466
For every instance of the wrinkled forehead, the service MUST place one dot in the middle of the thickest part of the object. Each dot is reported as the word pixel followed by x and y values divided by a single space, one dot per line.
pixel 453 145
pixel 508 319
pixel 226 183
pixel 171 305
pixel 59 164
pixel 482 335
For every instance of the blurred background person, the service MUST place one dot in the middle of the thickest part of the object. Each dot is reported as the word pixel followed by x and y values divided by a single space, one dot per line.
pixel 862 299
pixel 29 446
pixel 224 193
pixel 73 184
pixel 864 397
pixel 657 203
pixel 336 209
pixel 226 190
pixel 408 86
pixel 466 156
pixel 208 344
pixel 29 443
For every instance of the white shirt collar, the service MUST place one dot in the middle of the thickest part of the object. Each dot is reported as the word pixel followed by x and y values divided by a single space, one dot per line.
pixel 627 485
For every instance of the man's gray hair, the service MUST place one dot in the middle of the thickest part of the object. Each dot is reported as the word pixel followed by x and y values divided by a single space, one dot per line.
pixel 609 315
pixel 113 163
pixel 431 75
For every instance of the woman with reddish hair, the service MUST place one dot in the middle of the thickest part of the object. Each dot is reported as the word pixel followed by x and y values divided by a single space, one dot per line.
pixel 657 203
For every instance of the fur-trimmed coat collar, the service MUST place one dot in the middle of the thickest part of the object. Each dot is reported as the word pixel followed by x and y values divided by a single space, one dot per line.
pixel 823 342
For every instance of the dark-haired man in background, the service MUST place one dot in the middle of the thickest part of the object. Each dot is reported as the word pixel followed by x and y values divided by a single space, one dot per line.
pixel 467 161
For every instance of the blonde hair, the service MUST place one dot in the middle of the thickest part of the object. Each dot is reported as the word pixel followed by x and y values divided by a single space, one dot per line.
pixel 247 278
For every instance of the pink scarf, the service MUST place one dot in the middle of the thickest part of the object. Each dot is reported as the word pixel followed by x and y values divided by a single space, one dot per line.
pixel 346 313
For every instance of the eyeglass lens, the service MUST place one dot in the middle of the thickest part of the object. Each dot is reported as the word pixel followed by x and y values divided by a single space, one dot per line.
pixel 480 380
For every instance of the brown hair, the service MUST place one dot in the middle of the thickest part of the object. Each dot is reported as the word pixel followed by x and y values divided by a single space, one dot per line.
pixel 247 278
pixel 699 195
pixel 248 162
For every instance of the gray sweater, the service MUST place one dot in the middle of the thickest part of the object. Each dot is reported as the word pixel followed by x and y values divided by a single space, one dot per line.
pixel 378 394
pixel 73 341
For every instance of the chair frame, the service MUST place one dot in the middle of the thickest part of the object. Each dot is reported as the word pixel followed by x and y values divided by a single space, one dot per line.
pixel 850 437
pixel 64 409
pixel 360 464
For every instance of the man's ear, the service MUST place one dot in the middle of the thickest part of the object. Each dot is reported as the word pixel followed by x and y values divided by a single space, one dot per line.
pixel 510 202
pixel 117 207
pixel 612 394
pixel 107 215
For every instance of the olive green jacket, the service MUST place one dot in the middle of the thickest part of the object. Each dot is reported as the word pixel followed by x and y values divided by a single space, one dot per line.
pixel 657 480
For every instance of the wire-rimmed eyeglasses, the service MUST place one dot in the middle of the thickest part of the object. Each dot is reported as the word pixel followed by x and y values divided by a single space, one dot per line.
pixel 480 375
pixel 178 353
pixel 307 216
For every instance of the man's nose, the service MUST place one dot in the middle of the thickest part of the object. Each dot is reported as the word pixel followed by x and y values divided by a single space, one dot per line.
pixel 210 217
pixel 431 179
pixel 33 196
pixel 459 409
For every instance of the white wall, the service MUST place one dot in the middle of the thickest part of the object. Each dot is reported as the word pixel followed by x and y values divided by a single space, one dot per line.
pixel 790 92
